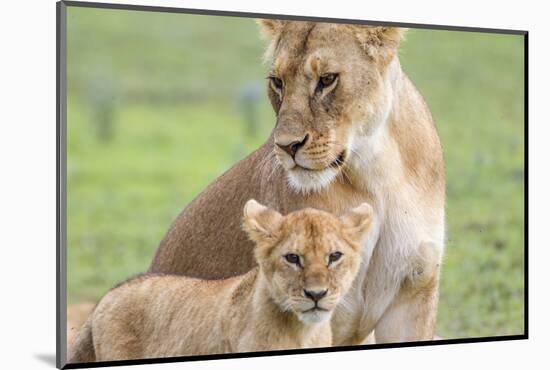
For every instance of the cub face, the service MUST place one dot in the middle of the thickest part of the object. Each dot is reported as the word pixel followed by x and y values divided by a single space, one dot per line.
pixel 309 258
pixel 327 84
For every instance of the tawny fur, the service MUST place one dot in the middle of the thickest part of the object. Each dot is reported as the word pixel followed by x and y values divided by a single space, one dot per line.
pixel 265 309
pixel 393 160
pixel 76 317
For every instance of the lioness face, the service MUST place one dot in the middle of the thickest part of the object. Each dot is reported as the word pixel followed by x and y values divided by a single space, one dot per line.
pixel 308 257
pixel 327 84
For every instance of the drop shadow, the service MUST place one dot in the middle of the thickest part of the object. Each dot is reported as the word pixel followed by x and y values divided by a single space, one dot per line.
pixel 47 358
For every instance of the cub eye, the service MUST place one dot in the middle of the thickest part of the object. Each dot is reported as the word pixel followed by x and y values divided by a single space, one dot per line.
pixel 333 257
pixel 326 80
pixel 293 258
pixel 276 82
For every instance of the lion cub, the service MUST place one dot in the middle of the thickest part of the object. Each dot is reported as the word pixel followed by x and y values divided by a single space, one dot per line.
pixel 307 260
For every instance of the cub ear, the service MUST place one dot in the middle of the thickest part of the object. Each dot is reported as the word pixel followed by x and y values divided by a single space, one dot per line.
pixel 380 43
pixel 260 223
pixel 357 221
pixel 270 28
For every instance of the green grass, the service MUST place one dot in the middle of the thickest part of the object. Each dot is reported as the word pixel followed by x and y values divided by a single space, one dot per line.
pixel 473 84
pixel 170 84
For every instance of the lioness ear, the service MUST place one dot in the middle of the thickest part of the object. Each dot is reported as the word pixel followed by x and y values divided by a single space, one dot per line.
pixel 380 43
pixel 358 220
pixel 260 222
pixel 270 28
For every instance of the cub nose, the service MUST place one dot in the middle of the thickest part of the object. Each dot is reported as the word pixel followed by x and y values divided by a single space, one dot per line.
pixel 292 147
pixel 315 295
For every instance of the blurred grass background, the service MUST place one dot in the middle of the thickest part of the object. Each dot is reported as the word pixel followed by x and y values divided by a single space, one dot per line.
pixel 161 104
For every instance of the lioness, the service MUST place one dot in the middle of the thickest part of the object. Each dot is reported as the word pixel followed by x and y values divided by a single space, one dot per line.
pixel 307 261
pixel 351 128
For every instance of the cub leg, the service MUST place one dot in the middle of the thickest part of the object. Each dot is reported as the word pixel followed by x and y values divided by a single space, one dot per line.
pixel 116 340
pixel 369 339
pixel 412 314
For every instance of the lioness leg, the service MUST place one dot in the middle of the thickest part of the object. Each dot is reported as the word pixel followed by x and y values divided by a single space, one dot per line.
pixel 412 315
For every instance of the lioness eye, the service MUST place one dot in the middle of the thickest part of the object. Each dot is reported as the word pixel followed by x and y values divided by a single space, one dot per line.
pixel 277 82
pixel 333 257
pixel 327 80
pixel 293 258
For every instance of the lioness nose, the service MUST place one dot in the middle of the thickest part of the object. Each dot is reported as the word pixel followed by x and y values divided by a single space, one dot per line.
pixel 315 295
pixel 292 147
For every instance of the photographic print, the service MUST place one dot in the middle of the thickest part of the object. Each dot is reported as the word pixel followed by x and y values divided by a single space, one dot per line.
pixel 237 184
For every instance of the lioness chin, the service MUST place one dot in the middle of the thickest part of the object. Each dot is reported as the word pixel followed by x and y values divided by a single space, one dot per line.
pixel 307 261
